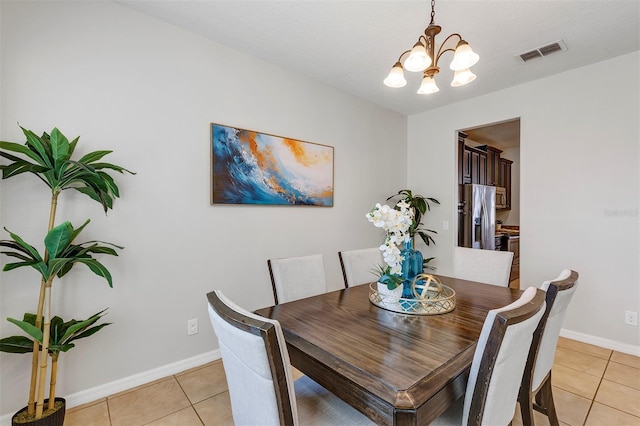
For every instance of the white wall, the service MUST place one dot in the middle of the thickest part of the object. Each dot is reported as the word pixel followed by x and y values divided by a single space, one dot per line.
pixel 148 91
pixel 579 158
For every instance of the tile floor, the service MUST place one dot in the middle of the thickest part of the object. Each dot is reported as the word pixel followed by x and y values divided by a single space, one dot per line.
pixel 593 386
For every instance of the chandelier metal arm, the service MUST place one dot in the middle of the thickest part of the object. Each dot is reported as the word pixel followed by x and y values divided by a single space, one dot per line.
pixel 402 54
pixel 450 49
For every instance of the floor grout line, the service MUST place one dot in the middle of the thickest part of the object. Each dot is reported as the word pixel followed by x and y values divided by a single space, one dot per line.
pixel 597 389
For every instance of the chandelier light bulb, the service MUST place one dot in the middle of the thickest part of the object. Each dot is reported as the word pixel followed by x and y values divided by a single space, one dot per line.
pixel 428 86
pixel 418 59
pixel 464 57
pixel 395 77
pixel 462 77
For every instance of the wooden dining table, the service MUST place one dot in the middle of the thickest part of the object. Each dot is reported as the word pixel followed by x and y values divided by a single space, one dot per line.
pixel 398 369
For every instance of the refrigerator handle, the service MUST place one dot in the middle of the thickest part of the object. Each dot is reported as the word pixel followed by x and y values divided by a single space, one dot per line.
pixel 484 218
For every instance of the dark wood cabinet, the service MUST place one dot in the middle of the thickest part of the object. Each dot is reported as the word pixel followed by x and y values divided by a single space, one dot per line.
pixel 504 179
pixel 493 165
pixel 474 166
pixel 513 245
pixel 464 170
pixel 484 166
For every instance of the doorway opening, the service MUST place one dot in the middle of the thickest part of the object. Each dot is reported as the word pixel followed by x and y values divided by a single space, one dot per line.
pixel 489 189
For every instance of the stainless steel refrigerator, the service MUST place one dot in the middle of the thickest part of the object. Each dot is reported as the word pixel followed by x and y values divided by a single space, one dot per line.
pixel 479 216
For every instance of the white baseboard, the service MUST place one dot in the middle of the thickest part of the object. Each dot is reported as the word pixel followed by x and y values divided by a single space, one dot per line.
pixel 103 391
pixel 599 341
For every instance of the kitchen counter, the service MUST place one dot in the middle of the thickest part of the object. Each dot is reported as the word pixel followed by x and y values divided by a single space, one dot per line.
pixel 508 232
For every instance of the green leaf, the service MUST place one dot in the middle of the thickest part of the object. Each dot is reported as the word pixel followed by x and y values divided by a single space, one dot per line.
pixel 59 147
pixel 27 248
pixel 89 332
pixel 16 265
pixel 98 269
pixel 94 156
pixel 420 204
pixel 38 145
pixel 16 345
pixel 57 264
pixel 23 149
pixel 77 231
pixel 17 255
pixel 58 238
pixel 100 166
pixel 111 184
pixel 60 348
pixel 31 330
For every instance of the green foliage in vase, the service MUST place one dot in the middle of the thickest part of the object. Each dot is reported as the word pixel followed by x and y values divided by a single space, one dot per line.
pixel 420 205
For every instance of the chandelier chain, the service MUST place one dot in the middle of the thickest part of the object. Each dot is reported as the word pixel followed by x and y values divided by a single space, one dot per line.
pixel 433 10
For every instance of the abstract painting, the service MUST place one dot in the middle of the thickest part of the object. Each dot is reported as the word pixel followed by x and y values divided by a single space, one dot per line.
pixel 249 167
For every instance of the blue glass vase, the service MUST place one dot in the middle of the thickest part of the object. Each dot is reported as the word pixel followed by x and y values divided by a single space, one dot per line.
pixel 411 266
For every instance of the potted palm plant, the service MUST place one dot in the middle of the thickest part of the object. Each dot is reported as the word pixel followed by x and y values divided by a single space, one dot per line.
pixel 49 158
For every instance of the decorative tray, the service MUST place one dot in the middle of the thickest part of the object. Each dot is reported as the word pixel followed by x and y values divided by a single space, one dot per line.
pixel 431 297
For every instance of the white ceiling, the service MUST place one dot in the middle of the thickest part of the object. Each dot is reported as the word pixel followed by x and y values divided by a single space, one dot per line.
pixel 351 45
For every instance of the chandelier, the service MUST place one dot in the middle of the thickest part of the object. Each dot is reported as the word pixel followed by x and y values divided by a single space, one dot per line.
pixel 423 57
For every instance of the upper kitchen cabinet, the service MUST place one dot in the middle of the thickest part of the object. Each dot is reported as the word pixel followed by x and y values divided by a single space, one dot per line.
pixel 472 163
pixel 504 179
pixel 493 164
pixel 483 165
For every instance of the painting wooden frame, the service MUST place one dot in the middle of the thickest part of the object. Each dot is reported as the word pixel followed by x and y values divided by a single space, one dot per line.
pixel 249 167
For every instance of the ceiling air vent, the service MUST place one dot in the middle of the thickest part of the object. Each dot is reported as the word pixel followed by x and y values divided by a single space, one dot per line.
pixel 549 49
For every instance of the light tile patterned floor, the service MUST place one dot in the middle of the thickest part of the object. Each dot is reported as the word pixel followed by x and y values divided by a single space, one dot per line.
pixel 593 386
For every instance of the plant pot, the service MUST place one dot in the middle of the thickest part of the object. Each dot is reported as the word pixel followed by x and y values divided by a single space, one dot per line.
pixel 54 419
pixel 389 298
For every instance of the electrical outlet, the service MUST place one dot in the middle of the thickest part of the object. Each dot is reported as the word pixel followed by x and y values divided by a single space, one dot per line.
pixel 445 225
pixel 192 326
pixel 631 318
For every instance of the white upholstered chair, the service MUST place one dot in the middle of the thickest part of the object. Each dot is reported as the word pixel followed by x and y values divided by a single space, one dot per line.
pixel 258 371
pixel 485 266
pixel 358 266
pixel 536 382
pixel 295 278
pixel 498 364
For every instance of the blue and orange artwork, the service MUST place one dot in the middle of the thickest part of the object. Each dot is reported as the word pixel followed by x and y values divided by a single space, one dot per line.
pixel 256 168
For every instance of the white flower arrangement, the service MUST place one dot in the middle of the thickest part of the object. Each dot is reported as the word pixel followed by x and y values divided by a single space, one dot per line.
pixel 395 221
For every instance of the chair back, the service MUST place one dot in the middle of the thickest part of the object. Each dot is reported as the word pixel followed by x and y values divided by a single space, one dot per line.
pixel 485 266
pixel 295 278
pixel 559 293
pixel 500 358
pixel 358 266
pixel 256 364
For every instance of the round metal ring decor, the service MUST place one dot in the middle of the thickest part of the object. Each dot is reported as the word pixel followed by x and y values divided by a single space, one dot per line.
pixel 431 297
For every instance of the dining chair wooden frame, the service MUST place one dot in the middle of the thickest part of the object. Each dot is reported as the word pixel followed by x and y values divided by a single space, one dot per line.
pixel 541 399
pixel 498 364
pixel 501 323
pixel 268 332
pixel 259 373
pixel 348 264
